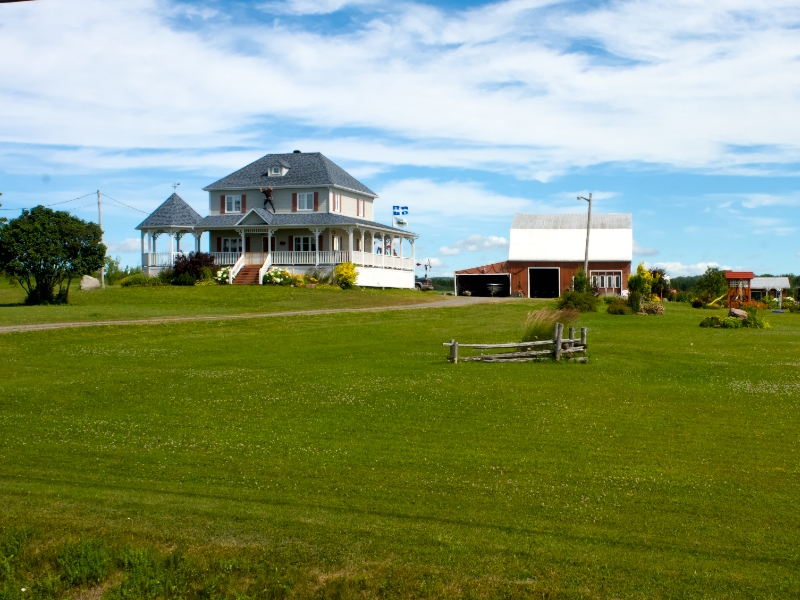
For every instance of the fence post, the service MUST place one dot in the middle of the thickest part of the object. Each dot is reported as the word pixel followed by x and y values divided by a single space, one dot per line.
pixel 583 338
pixel 454 351
pixel 557 341
pixel 571 336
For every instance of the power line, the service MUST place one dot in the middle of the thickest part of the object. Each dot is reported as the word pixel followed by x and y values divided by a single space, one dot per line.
pixel 53 204
pixel 125 205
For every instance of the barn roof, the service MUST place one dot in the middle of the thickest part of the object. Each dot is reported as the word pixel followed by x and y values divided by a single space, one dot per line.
pixel 599 221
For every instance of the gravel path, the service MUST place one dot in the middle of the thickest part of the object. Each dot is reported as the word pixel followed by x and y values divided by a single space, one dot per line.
pixel 446 303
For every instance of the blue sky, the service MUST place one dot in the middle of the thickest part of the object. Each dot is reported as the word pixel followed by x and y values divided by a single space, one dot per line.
pixel 683 114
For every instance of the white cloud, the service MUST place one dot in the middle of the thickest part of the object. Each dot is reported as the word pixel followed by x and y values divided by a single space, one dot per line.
pixel 761 200
pixel 309 7
pixel 677 269
pixel 126 245
pixel 640 250
pixel 499 87
pixel 430 202
pixel 475 243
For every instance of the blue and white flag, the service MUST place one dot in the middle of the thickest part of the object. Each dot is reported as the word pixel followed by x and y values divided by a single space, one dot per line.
pixel 404 209
pixel 396 210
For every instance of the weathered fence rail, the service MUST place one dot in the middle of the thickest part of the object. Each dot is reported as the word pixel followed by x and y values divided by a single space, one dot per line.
pixel 528 351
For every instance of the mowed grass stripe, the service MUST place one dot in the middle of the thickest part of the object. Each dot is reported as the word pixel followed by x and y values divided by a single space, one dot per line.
pixel 667 466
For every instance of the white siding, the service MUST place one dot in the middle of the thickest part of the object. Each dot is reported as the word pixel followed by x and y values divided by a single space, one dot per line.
pixel 570 244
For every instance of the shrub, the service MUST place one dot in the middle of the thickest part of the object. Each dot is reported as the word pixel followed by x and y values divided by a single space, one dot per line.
pixel 635 301
pixel 206 274
pixel 619 307
pixel 193 264
pixel 345 275
pixel 222 275
pixel 794 308
pixel 581 301
pixel 754 320
pixel 84 562
pixel 653 308
pixel 277 276
pixel 140 279
pixel 697 303
pixel 714 321
pixel 166 276
pixel 184 278
pixel 540 324
pixel 682 297
pixel 610 299
pixel 580 283
pixel 731 323
pixel 641 282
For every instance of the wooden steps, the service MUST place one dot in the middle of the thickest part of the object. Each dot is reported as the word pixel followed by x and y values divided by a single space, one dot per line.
pixel 247 275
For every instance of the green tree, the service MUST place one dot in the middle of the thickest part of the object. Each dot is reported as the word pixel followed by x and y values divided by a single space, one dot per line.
pixel 712 284
pixel 660 284
pixel 580 283
pixel 44 249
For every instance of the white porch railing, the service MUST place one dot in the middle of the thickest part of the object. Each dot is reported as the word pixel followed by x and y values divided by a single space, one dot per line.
pixel 237 266
pixel 264 268
pixel 158 259
pixel 225 259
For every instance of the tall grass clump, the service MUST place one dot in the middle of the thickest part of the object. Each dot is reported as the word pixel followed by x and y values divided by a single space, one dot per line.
pixel 83 562
pixel 540 323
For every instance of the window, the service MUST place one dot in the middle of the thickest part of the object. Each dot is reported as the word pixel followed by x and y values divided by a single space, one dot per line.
pixel 233 204
pixel 305 244
pixel 337 243
pixel 232 245
pixel 337 203
pixel 275 171
pixel 305 201
pixel 602 281
pixel 617 284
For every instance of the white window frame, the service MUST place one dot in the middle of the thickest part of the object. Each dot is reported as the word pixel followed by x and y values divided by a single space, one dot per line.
pixel 275 171
pixel 610 277
pixel 231 203
pixel 308 198
pixel 337 202
pixel 309 240
pixel 232 245
pixel 337 243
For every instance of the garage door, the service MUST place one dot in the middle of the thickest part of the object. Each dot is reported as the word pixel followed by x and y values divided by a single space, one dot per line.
pixel 543 283
pixel 478 285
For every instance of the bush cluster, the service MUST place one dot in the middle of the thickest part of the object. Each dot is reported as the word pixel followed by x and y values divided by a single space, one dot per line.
pixel 697 303
pixel 653 308
pixel 580 301
pixel 345 275
pixel 753 321
pixel 140 279
pixel 619 307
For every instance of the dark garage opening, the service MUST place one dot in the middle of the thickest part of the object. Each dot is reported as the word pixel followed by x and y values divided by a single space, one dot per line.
pixel 477 284
pixel 543 283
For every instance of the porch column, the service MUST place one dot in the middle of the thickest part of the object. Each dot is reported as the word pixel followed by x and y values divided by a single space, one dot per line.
pixel 197 235
pixel 316 233
pixel 363 234
pixel 154 237
pixel 171 248
pixel 244 242
pixel 413 259
pixel 142 245
pixel 349 231
pixel 402 239
pixel 270 234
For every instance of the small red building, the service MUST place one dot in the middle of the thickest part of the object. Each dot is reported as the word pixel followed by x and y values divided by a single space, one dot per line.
pixel 739 287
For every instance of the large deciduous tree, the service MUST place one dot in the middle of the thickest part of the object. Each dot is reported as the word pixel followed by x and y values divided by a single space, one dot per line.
pixel 712 284
pixel 45 249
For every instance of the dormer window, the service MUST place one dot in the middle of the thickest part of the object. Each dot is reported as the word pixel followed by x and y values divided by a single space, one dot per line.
pixel 275 172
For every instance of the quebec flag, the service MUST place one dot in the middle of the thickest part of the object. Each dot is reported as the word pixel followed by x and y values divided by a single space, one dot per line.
pixel 396 210
pixel 404 209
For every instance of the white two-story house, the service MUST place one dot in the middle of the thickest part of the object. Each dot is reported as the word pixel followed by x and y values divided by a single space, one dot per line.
pixel 298 211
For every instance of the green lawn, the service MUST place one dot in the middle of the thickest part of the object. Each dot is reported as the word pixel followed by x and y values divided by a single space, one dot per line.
pixel 116 302
pixel 341 456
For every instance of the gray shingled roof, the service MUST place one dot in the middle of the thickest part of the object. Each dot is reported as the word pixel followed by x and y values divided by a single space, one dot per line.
pixel 770 283
pixel 599 221
pixel 293 220
pixel 305 169
pixel 173 212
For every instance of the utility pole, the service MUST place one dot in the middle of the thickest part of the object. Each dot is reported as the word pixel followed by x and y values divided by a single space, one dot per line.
pixel 588 229
pixel 100 222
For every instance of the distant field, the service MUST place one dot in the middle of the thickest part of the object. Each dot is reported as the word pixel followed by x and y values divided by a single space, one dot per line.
pixel 340 456
pixel 116 302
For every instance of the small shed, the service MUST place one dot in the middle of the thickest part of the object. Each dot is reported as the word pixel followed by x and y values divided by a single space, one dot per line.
pixel 769 286
pixel 739 287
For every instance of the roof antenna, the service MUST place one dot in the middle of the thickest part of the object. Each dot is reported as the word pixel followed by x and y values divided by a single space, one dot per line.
pixel 175 187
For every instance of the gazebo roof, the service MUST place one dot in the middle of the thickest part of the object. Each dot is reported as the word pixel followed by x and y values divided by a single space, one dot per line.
pixel 173 212
pixel 739 274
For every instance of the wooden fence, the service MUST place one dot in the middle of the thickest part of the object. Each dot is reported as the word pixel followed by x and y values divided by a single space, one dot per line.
pixel 528 351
